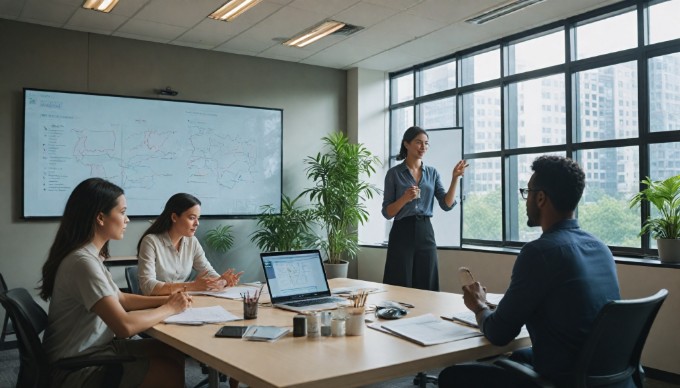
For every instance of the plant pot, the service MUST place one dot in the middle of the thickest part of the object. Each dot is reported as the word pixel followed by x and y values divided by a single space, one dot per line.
pixel 669 250
pixel 334 271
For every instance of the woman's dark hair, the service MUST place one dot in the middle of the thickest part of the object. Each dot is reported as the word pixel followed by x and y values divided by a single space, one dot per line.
pixel 561 179
pixel 177 204
pixel 409 135
pixel 90 198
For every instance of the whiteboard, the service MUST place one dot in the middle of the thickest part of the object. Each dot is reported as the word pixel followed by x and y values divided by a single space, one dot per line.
pixel 228 156
pixel 446 149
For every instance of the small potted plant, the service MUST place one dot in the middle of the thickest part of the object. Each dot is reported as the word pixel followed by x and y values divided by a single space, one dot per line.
pixel 337 197
pixel 664 196
pixel 289 230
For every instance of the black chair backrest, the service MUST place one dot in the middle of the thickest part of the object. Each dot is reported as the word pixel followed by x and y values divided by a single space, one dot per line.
pixel 7 327
pixel 132 277
pixel 29 320
pixel 612 350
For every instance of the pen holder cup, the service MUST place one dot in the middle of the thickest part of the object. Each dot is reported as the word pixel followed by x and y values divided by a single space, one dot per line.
pixel 355 321
pixel 249 310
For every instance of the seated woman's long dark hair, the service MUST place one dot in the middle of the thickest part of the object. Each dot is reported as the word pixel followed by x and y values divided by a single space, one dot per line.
pixel 177 204
pixel 90 198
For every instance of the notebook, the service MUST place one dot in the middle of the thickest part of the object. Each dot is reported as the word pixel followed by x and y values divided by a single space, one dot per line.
pixel 297 281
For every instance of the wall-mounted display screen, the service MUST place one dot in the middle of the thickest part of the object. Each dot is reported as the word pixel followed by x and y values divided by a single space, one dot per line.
pixel 228 156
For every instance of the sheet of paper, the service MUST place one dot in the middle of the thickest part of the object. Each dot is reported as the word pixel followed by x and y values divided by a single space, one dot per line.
pixel 200 315
pixel 466 317
pixel 231 292
pixel 429 330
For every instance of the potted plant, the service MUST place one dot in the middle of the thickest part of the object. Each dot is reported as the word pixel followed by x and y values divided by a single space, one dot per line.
pixel 285 231
pixel 337 197
pixel 664 196
pixel 220 238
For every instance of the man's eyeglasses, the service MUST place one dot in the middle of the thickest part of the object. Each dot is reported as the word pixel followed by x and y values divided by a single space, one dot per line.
pixel 525 192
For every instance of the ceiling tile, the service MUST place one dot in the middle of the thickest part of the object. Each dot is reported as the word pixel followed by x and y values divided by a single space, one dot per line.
pixel 242 43
pixel 180 13
pixel 99 22
pixel 326 8
pixel 155 31
pixel 443 11
pixel 209 33
pixel 11 9
pixel 49 13
pixel 365 14
pixel 400 5
pixel 387 61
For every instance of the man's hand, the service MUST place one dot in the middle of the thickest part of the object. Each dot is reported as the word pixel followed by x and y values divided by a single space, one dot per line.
pixel 474 296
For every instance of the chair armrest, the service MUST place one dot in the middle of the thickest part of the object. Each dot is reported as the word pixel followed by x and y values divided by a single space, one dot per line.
pixel 72 363
pixel 525 372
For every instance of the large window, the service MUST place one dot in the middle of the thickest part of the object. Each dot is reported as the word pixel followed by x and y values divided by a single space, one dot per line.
pixel 611 104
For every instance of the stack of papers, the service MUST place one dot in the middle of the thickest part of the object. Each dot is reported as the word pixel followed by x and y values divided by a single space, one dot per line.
pixel 201 315
pixel 426 330
pixel 264 333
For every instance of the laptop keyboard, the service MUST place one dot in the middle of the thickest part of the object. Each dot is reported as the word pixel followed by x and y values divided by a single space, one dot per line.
pixel 310 302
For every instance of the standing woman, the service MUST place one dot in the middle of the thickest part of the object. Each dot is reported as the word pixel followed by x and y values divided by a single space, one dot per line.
pixel 88 314
pixel 410 191
pixel 169 250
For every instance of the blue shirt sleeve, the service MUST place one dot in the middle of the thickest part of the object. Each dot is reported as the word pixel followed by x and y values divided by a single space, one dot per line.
pixel 526 291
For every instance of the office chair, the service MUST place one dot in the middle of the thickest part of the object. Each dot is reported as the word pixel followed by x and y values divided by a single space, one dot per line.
pixel 7 328
pixel 132 278
pixel 34 369
pixel 611 352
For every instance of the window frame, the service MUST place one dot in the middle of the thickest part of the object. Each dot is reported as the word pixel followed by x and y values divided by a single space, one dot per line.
pixel 641 54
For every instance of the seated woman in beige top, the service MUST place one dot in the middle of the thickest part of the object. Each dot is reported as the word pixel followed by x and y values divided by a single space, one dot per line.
pixel 168 251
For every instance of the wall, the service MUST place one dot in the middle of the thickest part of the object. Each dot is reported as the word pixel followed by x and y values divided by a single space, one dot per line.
pixel 313 100
pixel 493 270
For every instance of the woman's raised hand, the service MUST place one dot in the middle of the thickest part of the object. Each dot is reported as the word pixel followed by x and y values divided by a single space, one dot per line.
pixel 459 169
pixel 203 282
pixel 231 277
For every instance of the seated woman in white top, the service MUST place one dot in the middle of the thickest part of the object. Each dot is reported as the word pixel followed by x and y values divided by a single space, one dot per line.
pixel 168 251
pixel 88 314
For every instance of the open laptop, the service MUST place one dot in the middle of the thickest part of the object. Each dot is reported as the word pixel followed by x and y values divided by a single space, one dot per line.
pixel 297 281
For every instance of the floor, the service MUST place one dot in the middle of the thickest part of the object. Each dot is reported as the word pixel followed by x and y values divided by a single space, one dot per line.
pixel 9 368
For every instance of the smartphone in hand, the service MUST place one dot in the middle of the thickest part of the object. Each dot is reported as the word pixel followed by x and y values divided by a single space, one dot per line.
pixel 231 331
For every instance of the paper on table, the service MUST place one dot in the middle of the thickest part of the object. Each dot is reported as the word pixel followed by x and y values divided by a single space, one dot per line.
pixel 429 330
pixel 231 292
pixel 200 315
pixel 466 317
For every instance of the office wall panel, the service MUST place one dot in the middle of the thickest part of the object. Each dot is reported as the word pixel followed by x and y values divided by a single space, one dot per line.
pixel 313 100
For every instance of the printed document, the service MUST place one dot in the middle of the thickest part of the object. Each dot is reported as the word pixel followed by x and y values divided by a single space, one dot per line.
pixel 201 315
pixel 427 330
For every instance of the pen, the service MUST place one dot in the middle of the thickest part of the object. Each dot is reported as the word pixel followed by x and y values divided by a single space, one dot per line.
pixel 406 305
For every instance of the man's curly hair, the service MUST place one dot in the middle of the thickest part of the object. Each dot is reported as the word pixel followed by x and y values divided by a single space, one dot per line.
pixel 561 179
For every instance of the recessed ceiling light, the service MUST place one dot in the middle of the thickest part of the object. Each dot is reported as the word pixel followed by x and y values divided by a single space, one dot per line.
pixel 314 33
pixel 232 9
pixel 100 5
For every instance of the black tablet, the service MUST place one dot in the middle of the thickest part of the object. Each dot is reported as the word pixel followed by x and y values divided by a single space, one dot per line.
pixel 231 331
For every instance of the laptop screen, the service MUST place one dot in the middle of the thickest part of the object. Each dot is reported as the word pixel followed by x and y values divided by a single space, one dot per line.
pixel 294 275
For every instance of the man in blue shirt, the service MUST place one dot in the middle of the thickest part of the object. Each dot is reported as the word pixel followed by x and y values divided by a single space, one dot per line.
pixel 559 284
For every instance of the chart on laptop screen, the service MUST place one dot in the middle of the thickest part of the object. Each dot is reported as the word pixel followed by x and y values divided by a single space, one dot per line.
pixel 295 274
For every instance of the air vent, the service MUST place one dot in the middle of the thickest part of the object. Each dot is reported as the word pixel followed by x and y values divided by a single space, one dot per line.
pixel 501 10
pixel 347 30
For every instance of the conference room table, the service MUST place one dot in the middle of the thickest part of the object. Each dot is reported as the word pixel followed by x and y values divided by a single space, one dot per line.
pixel 348 361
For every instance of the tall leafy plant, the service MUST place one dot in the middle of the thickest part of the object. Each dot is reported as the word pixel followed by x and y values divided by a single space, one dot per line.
pixel 220 238
pixel 665 197
pixel 289 230
pixel 338 193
